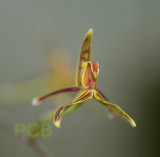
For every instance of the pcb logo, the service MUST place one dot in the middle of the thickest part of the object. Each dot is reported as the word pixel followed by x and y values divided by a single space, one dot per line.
pixel 33 130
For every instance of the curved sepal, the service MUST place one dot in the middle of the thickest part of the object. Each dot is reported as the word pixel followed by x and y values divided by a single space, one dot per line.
pixel 83 96
pixel 98 96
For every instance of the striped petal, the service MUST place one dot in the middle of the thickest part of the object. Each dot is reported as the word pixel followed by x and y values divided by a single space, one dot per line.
pixel 83 96
pixel 114 107
pixel 85 55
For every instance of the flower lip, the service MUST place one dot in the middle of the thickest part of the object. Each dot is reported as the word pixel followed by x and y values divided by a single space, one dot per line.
pixel 89 75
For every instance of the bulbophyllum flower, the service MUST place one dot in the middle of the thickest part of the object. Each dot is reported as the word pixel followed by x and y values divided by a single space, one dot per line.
pixel 86 83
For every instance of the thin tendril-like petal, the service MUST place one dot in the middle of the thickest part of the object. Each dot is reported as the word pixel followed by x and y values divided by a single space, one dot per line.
pixel 70 89
pixel 80 98
pixel 114 107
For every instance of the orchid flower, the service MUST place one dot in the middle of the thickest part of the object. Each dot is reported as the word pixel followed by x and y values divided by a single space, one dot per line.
pixel 86 83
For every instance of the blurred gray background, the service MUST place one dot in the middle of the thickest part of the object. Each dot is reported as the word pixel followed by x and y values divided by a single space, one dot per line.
pixel 126 43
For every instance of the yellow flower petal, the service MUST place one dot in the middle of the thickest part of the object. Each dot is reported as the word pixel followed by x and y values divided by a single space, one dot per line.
pixel 114 107
pixel 85 55
pixel 85 95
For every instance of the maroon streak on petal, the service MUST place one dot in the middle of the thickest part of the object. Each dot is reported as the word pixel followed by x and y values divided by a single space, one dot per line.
pixel 70 89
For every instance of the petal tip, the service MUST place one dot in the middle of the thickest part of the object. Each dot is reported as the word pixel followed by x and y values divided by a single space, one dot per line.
pixel 90 32
pixel 35 101
pixel 57 124
pixel 133 124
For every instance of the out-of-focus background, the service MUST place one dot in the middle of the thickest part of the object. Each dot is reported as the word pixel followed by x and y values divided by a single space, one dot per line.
pixel 126 43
